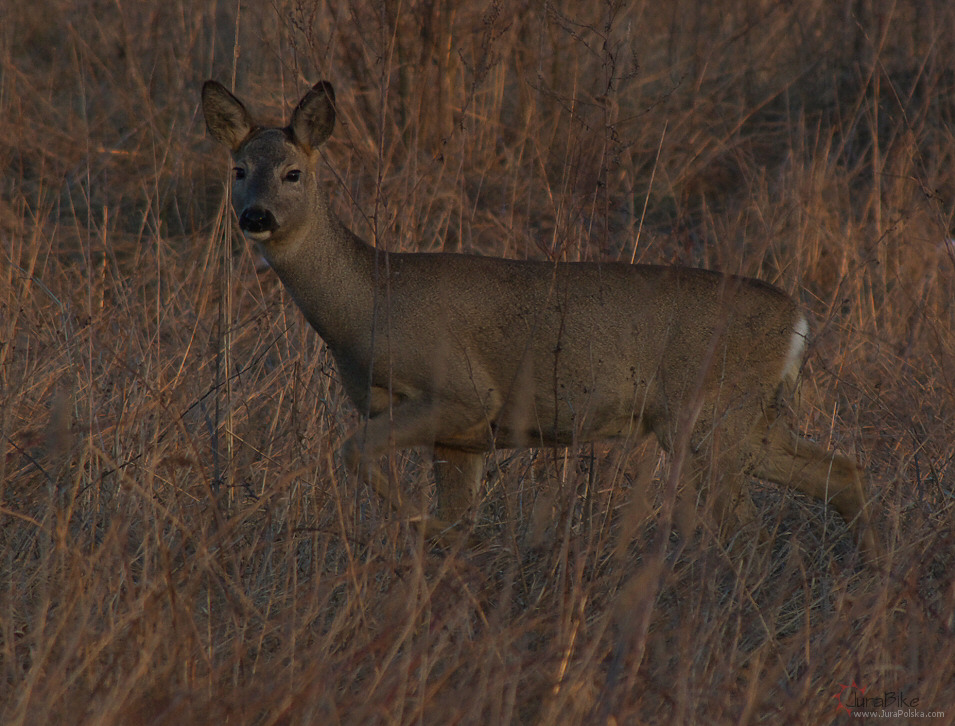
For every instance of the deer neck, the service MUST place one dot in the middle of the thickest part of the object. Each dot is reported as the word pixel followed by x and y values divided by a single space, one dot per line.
pixel 330 274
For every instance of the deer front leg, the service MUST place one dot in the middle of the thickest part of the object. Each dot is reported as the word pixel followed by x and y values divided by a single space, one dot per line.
pixel 457 477
pixel 360 463
pixel 416 423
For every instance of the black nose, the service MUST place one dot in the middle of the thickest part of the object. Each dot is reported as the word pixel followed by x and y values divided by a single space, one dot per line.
pixel 256 219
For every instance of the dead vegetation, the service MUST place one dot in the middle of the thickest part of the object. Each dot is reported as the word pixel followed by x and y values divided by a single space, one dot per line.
pixel 180 543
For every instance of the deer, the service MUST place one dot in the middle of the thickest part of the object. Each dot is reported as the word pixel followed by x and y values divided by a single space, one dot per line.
pixel 465 354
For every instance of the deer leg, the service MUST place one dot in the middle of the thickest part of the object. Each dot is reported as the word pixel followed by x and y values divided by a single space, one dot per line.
pixel 791 460
pixel 415 423
pixel 410 423
pixel 724 492
pixel 457 477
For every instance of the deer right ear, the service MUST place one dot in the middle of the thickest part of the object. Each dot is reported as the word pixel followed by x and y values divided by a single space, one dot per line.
pixel 314 117
pixel 226 118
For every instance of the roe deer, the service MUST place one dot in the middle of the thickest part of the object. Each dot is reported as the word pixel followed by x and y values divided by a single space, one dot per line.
pixel 463 353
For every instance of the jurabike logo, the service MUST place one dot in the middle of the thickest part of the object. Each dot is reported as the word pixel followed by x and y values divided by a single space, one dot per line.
pixel 853 696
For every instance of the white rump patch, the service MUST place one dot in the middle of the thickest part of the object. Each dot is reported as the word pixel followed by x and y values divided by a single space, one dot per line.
pixel 797 348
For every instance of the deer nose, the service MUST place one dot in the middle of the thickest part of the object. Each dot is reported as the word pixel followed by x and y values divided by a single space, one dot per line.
pixel 256 219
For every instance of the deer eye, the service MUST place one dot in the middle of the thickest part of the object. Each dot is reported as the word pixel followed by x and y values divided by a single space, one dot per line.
pixel 239 172
pixel 293 175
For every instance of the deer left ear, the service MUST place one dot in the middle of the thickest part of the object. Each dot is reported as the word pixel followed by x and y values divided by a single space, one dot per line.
pixel 314 117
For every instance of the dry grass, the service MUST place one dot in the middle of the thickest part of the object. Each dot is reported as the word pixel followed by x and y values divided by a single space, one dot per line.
pixel 180 543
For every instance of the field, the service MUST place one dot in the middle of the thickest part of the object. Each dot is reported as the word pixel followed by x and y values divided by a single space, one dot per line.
pixel 179 541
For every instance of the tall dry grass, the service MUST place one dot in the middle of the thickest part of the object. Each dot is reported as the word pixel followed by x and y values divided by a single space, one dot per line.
pixel 180 543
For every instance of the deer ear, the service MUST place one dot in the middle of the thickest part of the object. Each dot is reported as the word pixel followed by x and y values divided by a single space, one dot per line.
pixel 226 118
pixel 314 117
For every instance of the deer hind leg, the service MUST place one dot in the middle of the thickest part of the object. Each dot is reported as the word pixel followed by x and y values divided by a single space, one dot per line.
pixel 720 478
pixel 790 460
pixel 712 473
pixel 458 475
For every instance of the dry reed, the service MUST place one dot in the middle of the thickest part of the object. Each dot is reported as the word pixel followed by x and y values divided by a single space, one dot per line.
pixel 180 543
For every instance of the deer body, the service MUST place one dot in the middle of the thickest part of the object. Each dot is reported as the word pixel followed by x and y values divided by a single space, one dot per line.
pixel 464 353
